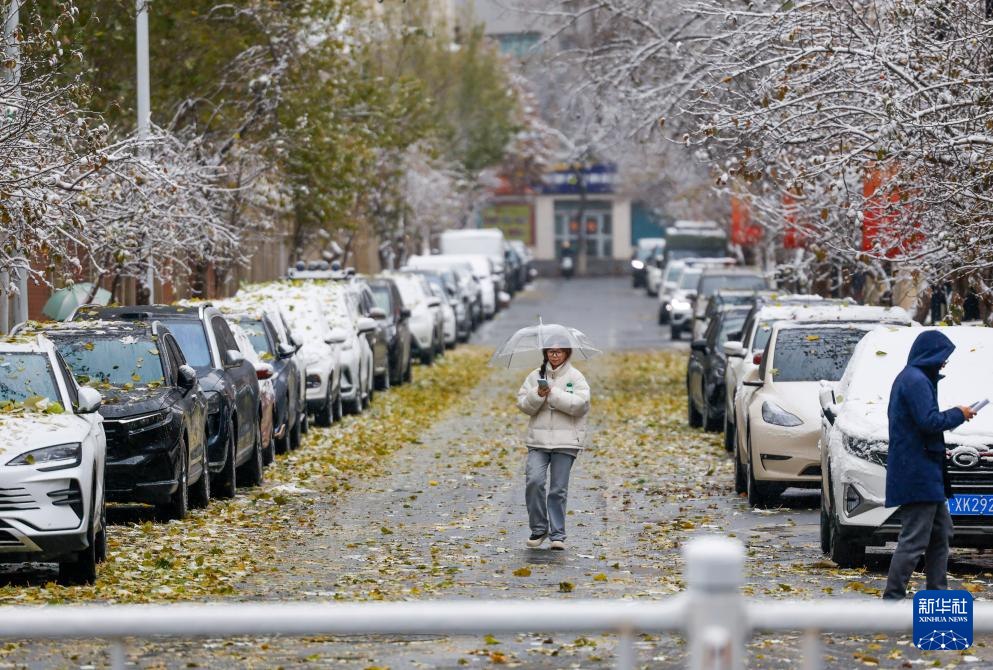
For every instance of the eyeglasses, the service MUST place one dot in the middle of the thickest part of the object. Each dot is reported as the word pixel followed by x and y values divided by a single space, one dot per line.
pixel 556 352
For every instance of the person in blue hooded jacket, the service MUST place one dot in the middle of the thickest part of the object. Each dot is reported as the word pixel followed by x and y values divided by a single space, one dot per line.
pixel 915 469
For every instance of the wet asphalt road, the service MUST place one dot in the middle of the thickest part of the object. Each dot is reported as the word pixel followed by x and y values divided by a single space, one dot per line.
pixel 613 315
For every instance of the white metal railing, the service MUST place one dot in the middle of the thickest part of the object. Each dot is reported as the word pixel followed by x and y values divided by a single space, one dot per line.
pixel 712 615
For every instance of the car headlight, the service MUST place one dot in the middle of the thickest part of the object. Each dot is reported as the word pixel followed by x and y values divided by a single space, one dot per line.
pixel 874 451
pixel 141 423
pixel 637 265
pixel 777 416
pixel 55 457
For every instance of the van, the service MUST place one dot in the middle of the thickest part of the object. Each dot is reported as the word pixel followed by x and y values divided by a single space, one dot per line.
pixel 487 241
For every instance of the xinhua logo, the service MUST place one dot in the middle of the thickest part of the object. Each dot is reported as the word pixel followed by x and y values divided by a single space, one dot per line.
pixel 943 620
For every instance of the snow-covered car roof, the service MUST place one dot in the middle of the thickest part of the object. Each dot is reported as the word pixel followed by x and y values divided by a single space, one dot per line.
pixel 864 389
pixel 31 342
pixel 815 311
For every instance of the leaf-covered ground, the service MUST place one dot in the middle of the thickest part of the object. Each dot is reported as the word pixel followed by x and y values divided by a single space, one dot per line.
pixel 423 499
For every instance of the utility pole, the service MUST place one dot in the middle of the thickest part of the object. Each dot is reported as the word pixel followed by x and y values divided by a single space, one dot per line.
pixel 12 50
pixel 144 113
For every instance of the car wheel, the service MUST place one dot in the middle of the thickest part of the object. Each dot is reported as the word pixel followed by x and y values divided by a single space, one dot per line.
pixel 662 318
pixel 355 406
pixel 227 479
pixel 339 407
pixel 675 332
pixel 304 422
pixel 200 495
pixel 825 531
pixel 710 423
pixel 728 433
pixel 383 380
pixel 408 374
pixel 427 357
pixel 740 483
pixel 758 494
pixel 83 568
pixel 269 454
pixel 844 552
pixel 253 472
pixel 285 443
pixel 101 536
pixel 295 434
pixel 179 504
pixel 694 417
pixel 325 416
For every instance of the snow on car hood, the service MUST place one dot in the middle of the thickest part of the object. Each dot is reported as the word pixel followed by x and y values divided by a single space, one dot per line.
pixel 880 357
pixel 25 432
pixel 799 398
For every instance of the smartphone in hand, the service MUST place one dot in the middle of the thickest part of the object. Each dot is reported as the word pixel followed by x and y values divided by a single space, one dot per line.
pixel 976 406
pixel 542 383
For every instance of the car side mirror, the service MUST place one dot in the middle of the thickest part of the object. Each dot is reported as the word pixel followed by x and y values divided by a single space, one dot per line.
pixel 404 312
pixel 338 336
pixel 699 345
pixel 434 302
pixel 186 377
pixel 377 313
pixel 828 401
pixel 233 358
pixel 734 349
pixel 286 350
pixel 753 380
pixel 366 325
pixel 264 371
pixel 89 400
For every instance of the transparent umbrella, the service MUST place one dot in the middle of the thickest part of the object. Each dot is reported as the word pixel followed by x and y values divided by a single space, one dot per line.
pixel 524 348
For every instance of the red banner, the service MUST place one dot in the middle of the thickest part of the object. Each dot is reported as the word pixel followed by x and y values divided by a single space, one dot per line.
pixel 743 232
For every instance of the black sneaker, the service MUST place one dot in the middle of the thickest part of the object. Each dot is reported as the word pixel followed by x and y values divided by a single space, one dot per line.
pixel 536 539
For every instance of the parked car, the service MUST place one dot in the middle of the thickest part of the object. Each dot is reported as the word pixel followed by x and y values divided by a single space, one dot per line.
pixel 722 299
pixel 422 322
pixel 379 339
pixel 745 356
pixel 482 272
pixel 449 322
pixel 526 271
pixel 705 371
pixel 719 278
pixel 778 443
pixel 154 412
pixel 445 288
pixel 680 305
pixel 398 343
pixel 854 441
pixel 51 469
pixel 228 380
pixel 645 251
pixel 348 334
pixel 667 287
pixel 263 323
pixel 308 325
pixel 267 393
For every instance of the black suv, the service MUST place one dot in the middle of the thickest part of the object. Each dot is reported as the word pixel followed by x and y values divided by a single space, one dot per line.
pixel 705 372
pixel 397 331
pixel 274 346
pixel 153 411
pixel 234 444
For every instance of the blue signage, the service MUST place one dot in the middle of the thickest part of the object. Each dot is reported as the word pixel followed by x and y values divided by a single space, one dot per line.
pixel 943 620
pixel 565 179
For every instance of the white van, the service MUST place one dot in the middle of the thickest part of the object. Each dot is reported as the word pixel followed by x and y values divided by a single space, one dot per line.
pixel 486 241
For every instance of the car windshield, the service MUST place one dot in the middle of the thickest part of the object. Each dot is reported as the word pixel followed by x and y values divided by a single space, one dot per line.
pixel 689 279
pixel 762 334
pixel 192 340
pixel 26 378
pixel 255 331
pixel 410 291
pixel 672 272
pixel 711 284
pixel 121 361
pixel 811 354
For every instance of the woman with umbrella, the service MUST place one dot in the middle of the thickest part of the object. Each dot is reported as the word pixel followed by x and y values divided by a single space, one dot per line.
pixel 556 397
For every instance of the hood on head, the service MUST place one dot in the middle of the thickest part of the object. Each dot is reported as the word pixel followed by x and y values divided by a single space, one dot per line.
pixel 930 350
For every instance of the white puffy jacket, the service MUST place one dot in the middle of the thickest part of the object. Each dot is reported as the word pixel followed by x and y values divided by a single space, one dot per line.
pixel 558 421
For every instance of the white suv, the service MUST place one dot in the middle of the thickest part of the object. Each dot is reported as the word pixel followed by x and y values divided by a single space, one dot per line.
pixel 854 442
pixel 52 453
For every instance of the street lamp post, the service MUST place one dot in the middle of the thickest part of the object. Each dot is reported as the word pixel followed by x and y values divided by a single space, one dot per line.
pixel 144 112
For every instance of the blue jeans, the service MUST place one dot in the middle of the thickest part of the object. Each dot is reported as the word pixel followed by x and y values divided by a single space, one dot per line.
pixel 546 506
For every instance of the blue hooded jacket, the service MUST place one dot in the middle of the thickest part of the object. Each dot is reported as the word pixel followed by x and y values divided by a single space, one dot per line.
pixel 916 461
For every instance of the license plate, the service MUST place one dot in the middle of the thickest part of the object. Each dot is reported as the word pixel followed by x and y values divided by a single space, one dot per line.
pixel 974 505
